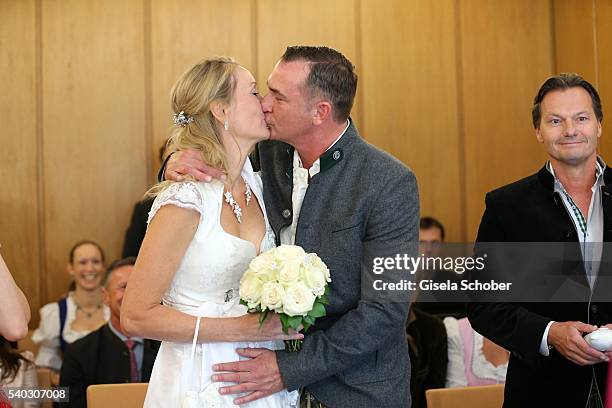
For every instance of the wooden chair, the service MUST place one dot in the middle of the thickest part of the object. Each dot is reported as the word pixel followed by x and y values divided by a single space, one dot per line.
pixel 44 381
pixel 130 395
pixel 486 396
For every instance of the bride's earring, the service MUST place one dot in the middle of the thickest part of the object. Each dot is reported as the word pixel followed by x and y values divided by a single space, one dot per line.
pixel 226 125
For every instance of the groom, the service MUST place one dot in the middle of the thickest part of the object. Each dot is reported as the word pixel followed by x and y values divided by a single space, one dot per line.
pixel 332 193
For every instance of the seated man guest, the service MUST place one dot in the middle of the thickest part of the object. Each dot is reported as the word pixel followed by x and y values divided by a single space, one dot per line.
pixel 431 238
pixel 107 355
pixel 427 343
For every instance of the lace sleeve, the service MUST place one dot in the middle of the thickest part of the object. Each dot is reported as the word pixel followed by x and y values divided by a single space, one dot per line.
pixel 184 195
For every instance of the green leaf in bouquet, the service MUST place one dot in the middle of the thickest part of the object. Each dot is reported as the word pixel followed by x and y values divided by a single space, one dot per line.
pixel 306 326
pixel 308 320
pixel 244 302
pixel 294 322
pixel 263 316
pixel 324 297
pixel 284 322
pixel 318 310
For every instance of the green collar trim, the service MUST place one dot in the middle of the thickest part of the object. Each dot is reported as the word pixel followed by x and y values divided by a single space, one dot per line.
pixel 330 158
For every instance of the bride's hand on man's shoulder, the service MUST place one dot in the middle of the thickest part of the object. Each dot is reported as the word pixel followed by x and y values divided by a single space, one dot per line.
pixel 271 329
pixel 189 163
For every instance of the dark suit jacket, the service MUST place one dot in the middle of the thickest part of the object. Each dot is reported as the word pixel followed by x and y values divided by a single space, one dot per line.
pixel 361 200
pixel 530 211
pixel 100 358
pixel 134 235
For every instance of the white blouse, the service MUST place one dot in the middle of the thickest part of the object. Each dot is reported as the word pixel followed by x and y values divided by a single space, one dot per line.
pixel 481 367
pixel 25 377
pixel 47 334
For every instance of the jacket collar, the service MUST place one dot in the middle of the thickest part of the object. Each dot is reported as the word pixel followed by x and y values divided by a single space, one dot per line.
pixel 338 151
pixel 548 180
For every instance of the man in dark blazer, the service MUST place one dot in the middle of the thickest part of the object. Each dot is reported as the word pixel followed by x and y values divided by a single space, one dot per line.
pixel 107 356
pixel 329 191
pixel 568 201
pixel 134 235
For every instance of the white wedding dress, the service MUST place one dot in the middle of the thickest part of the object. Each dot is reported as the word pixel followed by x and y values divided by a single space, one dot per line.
pixel 206 285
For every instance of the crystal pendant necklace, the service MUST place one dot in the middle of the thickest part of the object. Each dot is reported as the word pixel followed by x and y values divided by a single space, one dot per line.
pixel 229 198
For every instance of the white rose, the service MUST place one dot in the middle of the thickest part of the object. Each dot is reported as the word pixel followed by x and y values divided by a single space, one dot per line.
pixel 258 263
pixel 314 279
pixel 318 263
pixel 250 289
pixel 272 294
pixel 289 273
pixel 315 274
pixel 289 253
pixel 262 262
pixel 265 266
pixel 298 300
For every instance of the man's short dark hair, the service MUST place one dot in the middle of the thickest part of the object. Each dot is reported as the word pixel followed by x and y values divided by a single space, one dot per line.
pixel 431 222
pixel 331 75
pixel 563 82
pixel 116 264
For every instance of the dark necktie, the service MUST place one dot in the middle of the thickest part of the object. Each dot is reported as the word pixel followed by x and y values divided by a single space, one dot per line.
pixel 133 367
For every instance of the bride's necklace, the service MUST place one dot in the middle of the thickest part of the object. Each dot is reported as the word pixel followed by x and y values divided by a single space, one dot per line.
pixel 229 198
pixel 85 312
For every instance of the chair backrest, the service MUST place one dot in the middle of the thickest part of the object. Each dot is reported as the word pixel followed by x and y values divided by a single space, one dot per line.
pixel 44 381
pixel 26 344
pixel 129 395
pixel 485 396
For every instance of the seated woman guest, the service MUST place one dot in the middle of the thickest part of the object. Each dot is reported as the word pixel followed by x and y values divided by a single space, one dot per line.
pixel 473 359
pixel 17 371
pixel 79 313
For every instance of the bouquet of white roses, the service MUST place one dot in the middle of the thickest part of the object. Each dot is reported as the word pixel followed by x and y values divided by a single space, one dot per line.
pixel 288 281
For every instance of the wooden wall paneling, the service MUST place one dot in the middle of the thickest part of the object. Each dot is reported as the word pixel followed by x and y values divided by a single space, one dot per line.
pixel 603 17
pixel 93 111
pixel 283 23
pixel 574 44
pixel 183 33
pixel 19 209
pixel 506 55
pixel 410 97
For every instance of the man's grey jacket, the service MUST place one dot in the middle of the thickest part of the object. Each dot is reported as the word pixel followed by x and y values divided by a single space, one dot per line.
pixel 363 200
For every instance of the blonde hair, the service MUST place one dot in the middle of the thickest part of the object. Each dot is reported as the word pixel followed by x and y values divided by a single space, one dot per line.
pixel 209 81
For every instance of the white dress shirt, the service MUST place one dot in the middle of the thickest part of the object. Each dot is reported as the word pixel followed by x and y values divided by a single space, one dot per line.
pixel 593 233
pixel 300 185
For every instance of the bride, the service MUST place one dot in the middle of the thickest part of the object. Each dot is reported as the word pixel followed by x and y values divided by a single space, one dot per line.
pixel 201 238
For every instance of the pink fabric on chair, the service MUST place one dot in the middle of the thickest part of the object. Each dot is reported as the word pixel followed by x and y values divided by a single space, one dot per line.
pixel 467 337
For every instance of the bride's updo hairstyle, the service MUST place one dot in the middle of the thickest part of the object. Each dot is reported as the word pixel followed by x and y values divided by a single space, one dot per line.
pixel 192 96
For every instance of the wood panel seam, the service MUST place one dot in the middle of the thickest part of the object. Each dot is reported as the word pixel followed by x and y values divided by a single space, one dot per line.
pixel 254 40
pixel 148 92
pixel 40 185
pixel 461 125
pixel 359 62
pixel 595 48
pixel 553 37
